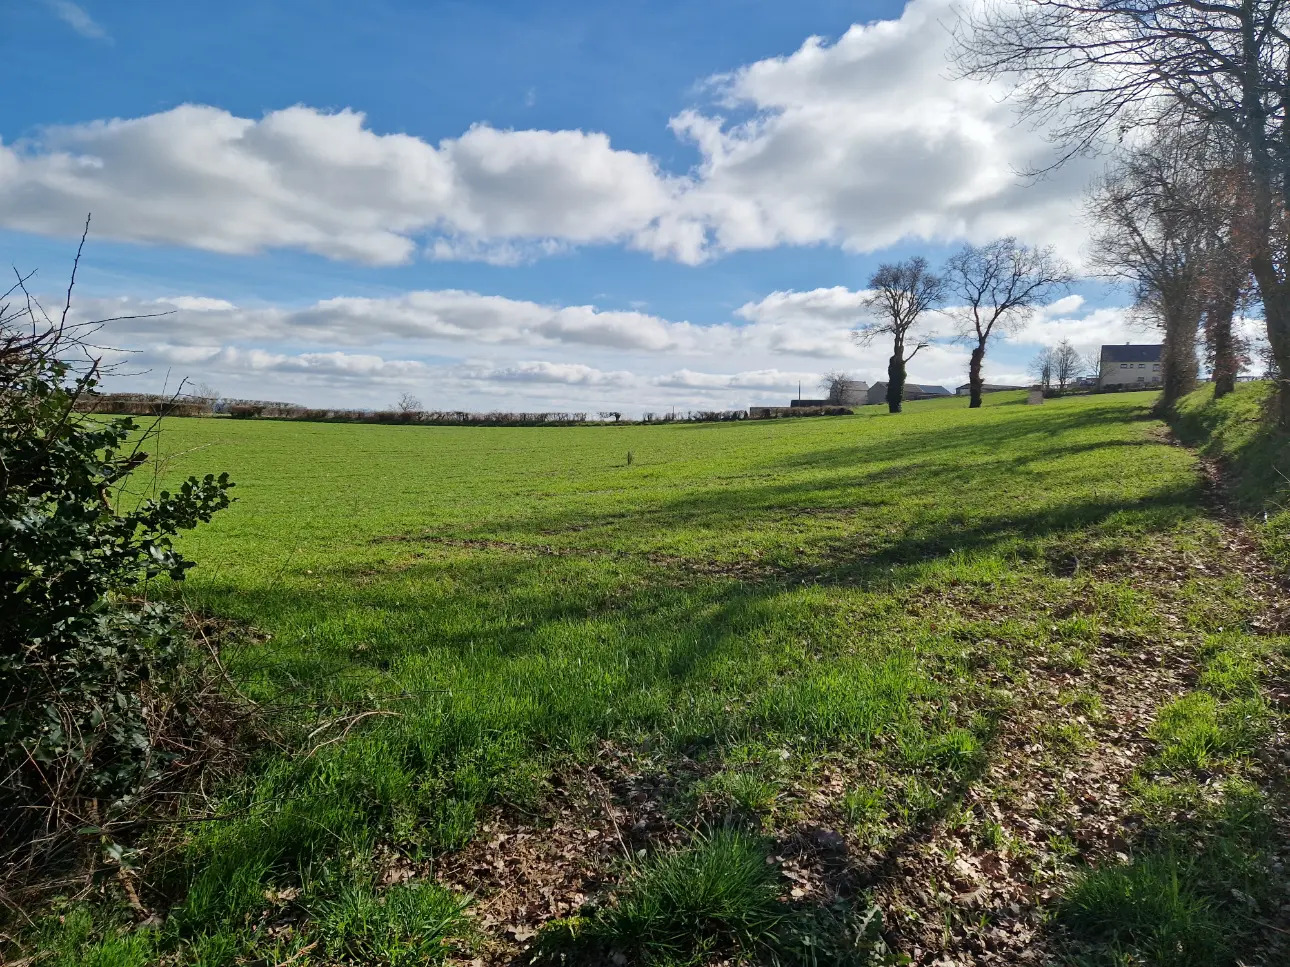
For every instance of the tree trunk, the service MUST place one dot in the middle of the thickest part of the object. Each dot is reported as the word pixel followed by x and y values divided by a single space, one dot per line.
pixel 1270 169
pixel 1275 295
pixel 895 382
pixel 974 376
pixel 1220 344
pixel 1178 369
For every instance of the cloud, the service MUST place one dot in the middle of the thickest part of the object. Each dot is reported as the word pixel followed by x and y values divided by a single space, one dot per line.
pixel 837 305
pixel 860 143
pixel 348 366
pixel 762 379
pixel 326 183
pixel 1088 332
pixel 199 303
pixel 450 316
pixel 76 17
pixel 569 374
pixel 865 142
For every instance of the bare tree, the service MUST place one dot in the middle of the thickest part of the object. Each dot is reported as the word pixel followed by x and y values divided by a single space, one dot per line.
pixel 1154 229
pixel 1041 367
pixel 1226 352
pixel 1094 69
pixel 834 385
pixel 205 393
pixel 408 404
pixel 899 294
pixel 998 287
pixel 1227 284
pixel 1068 364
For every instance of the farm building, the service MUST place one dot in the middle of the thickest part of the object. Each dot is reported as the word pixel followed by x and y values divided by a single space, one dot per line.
pixel 966 388
pixel 913 391
pixel 1129 367
pixel 852 392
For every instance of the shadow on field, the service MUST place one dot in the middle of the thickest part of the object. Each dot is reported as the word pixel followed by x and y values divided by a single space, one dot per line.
pixel 1024 476
pixel 1202 888
pixel 881 537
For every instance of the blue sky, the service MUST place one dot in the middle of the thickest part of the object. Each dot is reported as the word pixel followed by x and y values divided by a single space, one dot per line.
pixel 503 205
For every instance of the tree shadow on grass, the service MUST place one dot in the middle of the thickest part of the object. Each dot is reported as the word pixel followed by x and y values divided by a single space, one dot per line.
pixel 1003 477
pixel 1201 888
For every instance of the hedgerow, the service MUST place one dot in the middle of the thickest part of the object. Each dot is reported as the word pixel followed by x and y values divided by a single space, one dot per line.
pixel 91 668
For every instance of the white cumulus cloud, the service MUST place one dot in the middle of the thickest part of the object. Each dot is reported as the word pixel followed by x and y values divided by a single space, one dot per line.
pixel 858 142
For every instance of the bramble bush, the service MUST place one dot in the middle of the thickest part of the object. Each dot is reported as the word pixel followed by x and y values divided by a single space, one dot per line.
pixel 89 667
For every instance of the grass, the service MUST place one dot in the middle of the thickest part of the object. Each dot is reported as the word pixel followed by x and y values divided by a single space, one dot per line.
pixel 1256 456
pixel 1152 907
pixel 515 598
pixel 717 894
pixel 1193 892
pixel 1189 900
pixel 406 924
pixel 1196 730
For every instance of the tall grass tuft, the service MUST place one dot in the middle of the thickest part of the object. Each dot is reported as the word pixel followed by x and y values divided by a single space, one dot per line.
pixel 411 923
pixel 719 893
pixel 1150 908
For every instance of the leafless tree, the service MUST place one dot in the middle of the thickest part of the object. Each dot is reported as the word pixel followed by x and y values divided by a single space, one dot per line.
pixel 1228 283
pixel 834 385
pixel 997 287
pixel 408 404
pixel 1041 367
pixel 1155 228
pixel 1096 70
pixel 1068 364
pixel 899 294
pixel 205 394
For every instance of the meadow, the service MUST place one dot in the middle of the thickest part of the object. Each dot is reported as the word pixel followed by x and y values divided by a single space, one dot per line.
pixel 944 683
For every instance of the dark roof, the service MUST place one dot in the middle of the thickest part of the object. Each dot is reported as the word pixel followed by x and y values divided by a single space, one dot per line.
pixel 1131 354
pixel 919 389
pixel 991 387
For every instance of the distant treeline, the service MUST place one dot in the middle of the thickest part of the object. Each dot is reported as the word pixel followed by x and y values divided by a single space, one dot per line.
pixel 145 404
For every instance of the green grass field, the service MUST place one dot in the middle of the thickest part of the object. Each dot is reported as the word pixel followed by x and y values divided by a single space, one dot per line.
pixel 887 652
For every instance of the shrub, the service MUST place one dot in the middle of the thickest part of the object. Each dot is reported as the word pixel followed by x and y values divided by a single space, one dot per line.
pixel 84 663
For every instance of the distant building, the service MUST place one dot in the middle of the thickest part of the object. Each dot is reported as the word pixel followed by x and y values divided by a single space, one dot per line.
pixel 853 392
pixel 1129 367
pixel 913 391
pixel 966 388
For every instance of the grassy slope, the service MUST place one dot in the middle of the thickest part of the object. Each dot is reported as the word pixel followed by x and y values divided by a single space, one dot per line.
pixel 518 596
pixel 1255 457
